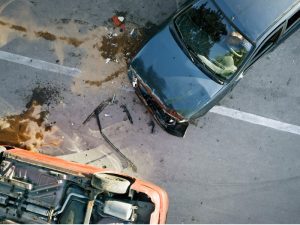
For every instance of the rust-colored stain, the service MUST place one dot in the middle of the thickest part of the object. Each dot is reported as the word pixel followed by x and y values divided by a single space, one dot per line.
pixel 15 129
pixel 3 23
pixel 72 41
pixel 46 35
pixel 29 129
pixel 18 28
pixel 114 75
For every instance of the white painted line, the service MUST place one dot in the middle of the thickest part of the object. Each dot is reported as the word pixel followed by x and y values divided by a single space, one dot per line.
pixel 255 119
pixel 39 64
pixel 5 4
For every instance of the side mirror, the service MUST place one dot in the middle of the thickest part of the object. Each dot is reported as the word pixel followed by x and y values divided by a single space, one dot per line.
pixel 110 183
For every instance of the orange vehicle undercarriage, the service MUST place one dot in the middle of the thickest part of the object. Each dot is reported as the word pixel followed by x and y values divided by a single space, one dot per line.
pixel 36 188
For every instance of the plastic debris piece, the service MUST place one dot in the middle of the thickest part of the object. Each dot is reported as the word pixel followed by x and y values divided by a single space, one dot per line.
pixel 116 21
pixel 152 125
pixel 123 27
pixel 121 19
pixel 125 110
pixel 107 60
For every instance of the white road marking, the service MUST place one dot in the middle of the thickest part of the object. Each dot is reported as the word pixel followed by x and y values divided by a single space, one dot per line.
pixel 39 64
pixel 255 119
pixel 5 4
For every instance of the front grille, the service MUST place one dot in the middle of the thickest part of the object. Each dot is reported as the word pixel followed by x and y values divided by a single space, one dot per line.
pixel 159 113
pixel 167 122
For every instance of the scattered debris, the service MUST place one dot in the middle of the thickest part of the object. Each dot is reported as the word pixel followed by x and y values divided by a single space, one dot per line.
pixel 121 18
pixel 127 43
pixel 132 32
pixel 96 113
pixel 107 60
pixel 152 125
pixel 125 110
pixel 118 21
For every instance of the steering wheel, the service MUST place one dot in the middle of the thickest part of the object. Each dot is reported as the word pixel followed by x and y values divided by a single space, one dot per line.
pixel 235 53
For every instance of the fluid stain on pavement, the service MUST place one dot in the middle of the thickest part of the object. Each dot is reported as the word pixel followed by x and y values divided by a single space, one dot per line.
pixel 44 34
pixel 25 130
pixel 44 95
pixel 107 79
pixel 127 43
pixel 29 129
pixel 18 28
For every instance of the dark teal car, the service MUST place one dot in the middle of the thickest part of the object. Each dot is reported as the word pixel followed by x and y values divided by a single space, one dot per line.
pixel 202 53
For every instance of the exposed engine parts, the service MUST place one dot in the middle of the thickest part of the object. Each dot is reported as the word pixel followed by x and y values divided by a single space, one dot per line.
pixel 31 193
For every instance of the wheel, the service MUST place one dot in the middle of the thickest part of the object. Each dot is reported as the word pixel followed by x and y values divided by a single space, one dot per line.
pixel 110 183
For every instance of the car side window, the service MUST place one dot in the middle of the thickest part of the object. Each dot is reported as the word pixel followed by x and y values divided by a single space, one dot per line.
pixel 293 20
pixel 269 43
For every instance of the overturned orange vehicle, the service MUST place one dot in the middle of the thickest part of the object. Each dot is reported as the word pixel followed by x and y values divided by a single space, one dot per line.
pixel 36 188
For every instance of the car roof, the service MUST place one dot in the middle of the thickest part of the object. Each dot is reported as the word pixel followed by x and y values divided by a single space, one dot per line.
pixel 254 17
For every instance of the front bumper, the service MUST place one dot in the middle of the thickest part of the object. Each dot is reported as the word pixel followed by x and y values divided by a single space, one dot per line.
pixel 169 121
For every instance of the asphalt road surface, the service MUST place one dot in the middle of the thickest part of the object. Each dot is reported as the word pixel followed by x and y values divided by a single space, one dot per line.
pixel 240 163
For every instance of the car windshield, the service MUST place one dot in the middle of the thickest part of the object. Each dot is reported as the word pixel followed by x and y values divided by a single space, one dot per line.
pixel 211 39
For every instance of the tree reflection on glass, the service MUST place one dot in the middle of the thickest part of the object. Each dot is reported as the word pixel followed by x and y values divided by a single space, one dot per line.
pixel 211 39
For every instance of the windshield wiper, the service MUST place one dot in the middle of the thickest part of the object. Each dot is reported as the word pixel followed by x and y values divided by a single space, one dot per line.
pixel 189 49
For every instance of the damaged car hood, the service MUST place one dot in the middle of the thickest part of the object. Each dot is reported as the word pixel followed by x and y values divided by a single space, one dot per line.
pixel 172 76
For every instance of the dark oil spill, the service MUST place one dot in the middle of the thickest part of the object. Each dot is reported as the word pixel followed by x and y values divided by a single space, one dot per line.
pixel 107 79
pixel 44 95
pixel 126 44
pixel 18 28
pixel 3 23
pixel 46 35
pixel 51 37
pixel 28 129
pixel 72 41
